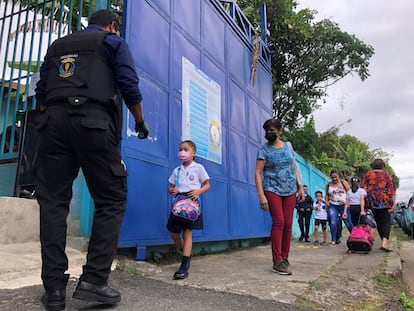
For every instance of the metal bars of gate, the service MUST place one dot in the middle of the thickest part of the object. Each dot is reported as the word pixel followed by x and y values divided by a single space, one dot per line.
pixel 23 45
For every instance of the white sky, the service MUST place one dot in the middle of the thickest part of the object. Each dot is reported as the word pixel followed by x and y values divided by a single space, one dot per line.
pixel 381 106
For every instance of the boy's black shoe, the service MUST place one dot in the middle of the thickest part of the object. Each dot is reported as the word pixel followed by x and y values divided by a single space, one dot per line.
pixel 100 293
pixel 301 238
pixel 307 240
pixel 54 300
pixel 180 275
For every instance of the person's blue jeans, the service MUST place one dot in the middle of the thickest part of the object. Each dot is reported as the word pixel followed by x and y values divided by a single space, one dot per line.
pixel 335 215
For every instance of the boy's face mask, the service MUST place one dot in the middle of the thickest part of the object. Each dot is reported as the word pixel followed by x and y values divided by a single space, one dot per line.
pixel 184 155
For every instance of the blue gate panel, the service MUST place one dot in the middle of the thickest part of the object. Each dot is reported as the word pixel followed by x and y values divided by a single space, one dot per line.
pixel 237 63
pixel 147 212
pixel 237 106
pixel 192 53
pixel 256 215
pixel 187 15
pixel 156 103
pixel 238 162
pixel 164 5
pixel 264 87
pixel 239 214
pixel 251 160
pixel 254 129
pixel 151 51
pixel 215 211
pixel 214 39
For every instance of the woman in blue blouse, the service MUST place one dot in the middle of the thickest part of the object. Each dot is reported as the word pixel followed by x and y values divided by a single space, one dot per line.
pixel 277 181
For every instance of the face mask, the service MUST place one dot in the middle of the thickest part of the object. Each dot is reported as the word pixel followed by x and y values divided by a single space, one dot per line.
pixel 271 137
pixel 306 193
pixel 184 155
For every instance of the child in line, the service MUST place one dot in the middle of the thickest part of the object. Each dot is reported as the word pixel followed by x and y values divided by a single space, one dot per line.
pixel 321 218
pixel 189 179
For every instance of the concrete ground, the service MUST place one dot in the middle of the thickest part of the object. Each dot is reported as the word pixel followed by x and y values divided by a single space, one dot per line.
pixel 246 272
pixel 242 274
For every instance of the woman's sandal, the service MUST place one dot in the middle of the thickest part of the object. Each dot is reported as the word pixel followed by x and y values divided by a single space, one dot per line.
pixel 387 250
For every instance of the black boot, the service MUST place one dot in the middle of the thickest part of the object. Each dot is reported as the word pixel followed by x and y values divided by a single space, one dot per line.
pixel 54 300
pixel 182 272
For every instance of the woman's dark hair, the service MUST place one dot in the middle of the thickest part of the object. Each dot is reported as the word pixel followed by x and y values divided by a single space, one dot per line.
pixel 104 18
pixel 377 164
pixel 355 183
pixel 335 171
pixel 272 123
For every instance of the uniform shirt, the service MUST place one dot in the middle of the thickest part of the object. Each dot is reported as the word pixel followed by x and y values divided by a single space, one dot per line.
pixel 119 57
pixel 320 210
pixel 355 197
pixel 189 178
pixel 279 169
pixel 307 204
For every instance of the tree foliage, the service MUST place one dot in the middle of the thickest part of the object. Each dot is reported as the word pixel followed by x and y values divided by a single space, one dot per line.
pixel 308 57
pixel 328 150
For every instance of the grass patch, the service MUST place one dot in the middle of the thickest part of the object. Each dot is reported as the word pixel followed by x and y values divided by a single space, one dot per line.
pixel 302 301
pixel 406 301
pixel 383 282
pixel 400 236
pixel 134 271
pixel 373 303
pixel 315 285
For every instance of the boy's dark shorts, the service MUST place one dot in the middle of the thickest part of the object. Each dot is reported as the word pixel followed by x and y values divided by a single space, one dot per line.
pixel 321 222
pixel 177 225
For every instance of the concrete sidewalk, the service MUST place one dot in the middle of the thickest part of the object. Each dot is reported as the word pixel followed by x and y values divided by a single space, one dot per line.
pixel 245 271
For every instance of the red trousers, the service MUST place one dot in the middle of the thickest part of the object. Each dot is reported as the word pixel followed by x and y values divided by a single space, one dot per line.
pixel 281 210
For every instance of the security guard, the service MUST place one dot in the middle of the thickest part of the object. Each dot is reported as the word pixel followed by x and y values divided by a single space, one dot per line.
pixel 80 127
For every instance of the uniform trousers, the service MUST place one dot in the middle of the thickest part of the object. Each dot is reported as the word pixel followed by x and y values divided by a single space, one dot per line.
pixel 72 138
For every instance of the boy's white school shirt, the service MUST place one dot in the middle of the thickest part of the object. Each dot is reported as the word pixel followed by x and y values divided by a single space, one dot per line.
pixel 190 178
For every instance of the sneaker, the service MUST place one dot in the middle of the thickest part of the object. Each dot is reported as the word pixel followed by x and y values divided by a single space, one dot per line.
pixel 322 243
pixel 281 268
pixel 316 242
pixel 286 261
pixel 301 239
pixel 307 240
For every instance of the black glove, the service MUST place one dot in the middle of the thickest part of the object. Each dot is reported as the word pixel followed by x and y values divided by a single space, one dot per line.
pixel 142 129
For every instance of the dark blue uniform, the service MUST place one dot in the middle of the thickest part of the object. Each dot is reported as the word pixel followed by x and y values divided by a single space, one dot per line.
pixel 82 132
pixel 304 210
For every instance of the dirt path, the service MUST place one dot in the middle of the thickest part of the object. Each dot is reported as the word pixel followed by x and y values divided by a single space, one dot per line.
pixel 355 283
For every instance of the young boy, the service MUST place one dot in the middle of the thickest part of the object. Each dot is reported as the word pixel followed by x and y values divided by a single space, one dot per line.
pixel 190 180
pixel 321 217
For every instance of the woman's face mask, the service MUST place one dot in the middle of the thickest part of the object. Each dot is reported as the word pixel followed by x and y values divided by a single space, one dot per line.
pixel 184 156
pixel 271 136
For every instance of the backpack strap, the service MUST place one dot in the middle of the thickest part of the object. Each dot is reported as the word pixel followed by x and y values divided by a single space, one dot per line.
pixel 176 177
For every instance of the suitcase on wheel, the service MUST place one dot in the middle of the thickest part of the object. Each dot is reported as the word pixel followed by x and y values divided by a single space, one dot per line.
pixel 361 239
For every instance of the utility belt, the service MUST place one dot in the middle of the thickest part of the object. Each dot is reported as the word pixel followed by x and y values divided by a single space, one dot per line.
pixel 78 102
pixel 79 106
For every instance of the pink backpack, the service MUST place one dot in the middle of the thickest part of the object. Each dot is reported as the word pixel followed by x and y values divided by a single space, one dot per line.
pixel 361 239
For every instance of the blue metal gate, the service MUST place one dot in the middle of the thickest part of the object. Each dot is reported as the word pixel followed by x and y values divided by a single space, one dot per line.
pixel 217 38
